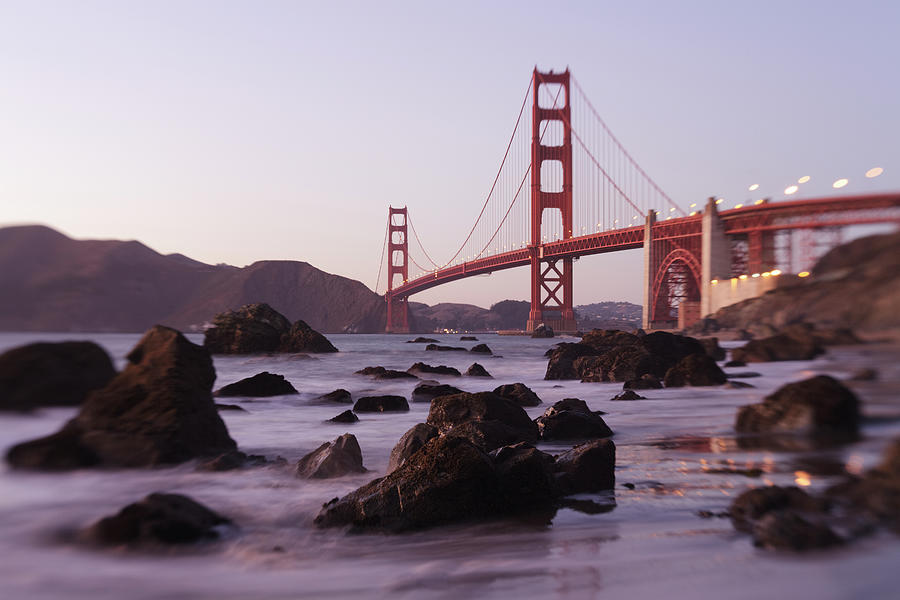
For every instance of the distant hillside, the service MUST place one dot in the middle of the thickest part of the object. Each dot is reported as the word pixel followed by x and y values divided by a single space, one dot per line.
pixel 507 314
pixel 50 282
pixel 608 315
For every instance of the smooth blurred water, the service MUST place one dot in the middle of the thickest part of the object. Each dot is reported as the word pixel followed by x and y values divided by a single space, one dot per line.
pixel 652 544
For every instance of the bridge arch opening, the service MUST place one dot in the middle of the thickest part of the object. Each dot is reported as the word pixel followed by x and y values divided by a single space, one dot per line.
pixel 676 289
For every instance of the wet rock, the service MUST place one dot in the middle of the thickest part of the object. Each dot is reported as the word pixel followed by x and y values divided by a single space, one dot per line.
pixel 786 530
pixel 476 370
pixel 571 419
pixel 438 348
pixel 735 363
pixel 158 519
pixel 744 375
pixel 712 347
pixel 158 410
pixel 519 393
pixel 644 382
pixel 421 367
pixel 425 392
pixel 490 420
pixel 526 477
pixel 332 459
pixel 542 331
pixel 782 346
pixel 589 507
pixel 738 385
pixel 628 395
pixel 345 417
pixel 448 480
pixel 864 374
pixel 230 461
pixel 230 407
pixel 381 404
pixel 52 374
pixel 340 396
pixel 422 340
pixel 481 349
pixel 562 358
pixel 261 385
pixel 695 370
pixel 820 405
pixel 258 328
pixel 753 504
pixel 468 338
pixel 410 443
pixel 589 467
pixel 877 492
pixel 384 374
pixel 591 368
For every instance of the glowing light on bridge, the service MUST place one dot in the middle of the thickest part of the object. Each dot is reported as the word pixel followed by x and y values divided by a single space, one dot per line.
pixel 755 275
pixel 776 272
pixel 760 201
pixel 738 205
pixel 791 189
pixel 874 172
pixel 694 205
pixel 714 281
pixel 720 200
pixel 840 183
pixel 742 277
pixel 803 274
pixel 753 187
pixel 803 179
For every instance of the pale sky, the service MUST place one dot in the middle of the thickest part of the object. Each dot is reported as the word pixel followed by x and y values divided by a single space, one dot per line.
pixel 242 131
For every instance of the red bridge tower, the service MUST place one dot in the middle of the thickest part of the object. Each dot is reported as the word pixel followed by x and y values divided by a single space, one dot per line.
pixel 398 264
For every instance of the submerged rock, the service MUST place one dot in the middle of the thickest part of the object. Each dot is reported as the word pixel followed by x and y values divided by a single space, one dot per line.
pixel 542 331
pixel 382 373
pixel 261 385
pixel 628 395
pixel 332 459
pixel 158 519
pixel 819 405
pixel 426 392
pixel 159 410
pixel 790 345
pixel 421 367
pixel 438 348
pixel 422 340
pixel 258 328
pixel 519 393
pixel 230 407
pixel 644 382
pixel 340 396
pixel 481 349
pixel 695 370
pixel 386 403
pixel 476 370
pixel 468 338
pixel 345 417
pixel 52 374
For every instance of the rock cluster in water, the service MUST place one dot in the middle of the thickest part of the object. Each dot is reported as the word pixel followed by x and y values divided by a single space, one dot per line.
pixel 258 328
pixel 261 385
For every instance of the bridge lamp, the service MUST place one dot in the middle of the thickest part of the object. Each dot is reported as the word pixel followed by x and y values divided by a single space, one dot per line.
pixel 760 201
pixel 874 172
pixel 671 209
pixel 766 274
pixel 693 212
pixel 742 277
pixel 840 183
pixel 694 205
pixel 803 179
pixel 738 205
pixel 803 274
pixel 753 187
pixel 776 272
pixel 791 189
pixel 714 281
pixel 755 275
pixel 720 200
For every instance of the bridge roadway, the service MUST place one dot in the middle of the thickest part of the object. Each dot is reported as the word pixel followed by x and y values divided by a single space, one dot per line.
pixel 766 216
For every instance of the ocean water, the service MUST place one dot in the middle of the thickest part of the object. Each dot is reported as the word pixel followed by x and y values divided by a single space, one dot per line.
pixel 652 544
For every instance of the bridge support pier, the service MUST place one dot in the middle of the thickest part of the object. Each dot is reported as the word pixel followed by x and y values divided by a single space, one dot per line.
pixel 715 256
pixel 398 264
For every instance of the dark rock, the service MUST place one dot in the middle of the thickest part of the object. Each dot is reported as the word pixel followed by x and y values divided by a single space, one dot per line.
pixel 782 346
pixel 591 368
pixel 468 338
pixel 645 382
pixel 481 349
pixel 232 460
pixel 753 504
pixel 589 467
pixel 425 392
pixel 738 385
pixel 735 363
pixel 865 374
pixel 303 338
pixel 526 477
pixel 435 347
pixel 786 530
pixel 542 331
pixel 744 375
pixel 52 374
pixel 447 480
pixel 712 347
pixel 491 420
pixel 820 405
pixel 410 443
pixel 628 395
pixel 258 328
pixel 345 417
pixel 421 367
pixel 571 419
pixel 695 370
pixel 158 519
pixel 332 459
pixel 589 507
pixel 381 404
pixel 340 396
pixel 230 407
pixel 476 370
pixel 519 393
pixel 422 340
pixel 261 385
pixel 382 373
pixel 562 358
pixel 159 410
pixel 877 492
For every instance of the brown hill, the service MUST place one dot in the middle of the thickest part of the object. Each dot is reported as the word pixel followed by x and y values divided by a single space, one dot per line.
pixel 50 282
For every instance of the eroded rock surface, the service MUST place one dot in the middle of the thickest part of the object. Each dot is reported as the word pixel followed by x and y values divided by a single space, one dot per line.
pixel 258 328
pixel 332 459
pixel 519 393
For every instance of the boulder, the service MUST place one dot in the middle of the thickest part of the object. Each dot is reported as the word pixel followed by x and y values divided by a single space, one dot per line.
pixel 755 503
pixel 381 404
pixel 345 417
pixel 781 346
pixel 425 392
pixel 261 385
pixel 421 367
pixel 819 405
pixel 52 374
pixel 877 493
pixel 447 480
pixel 542 331
pixel 519 393
pixel 437 348
pixel 382 373
pixel 491 420
pixel 864 374
pixel 476 370
pixel 230 461
pixel 526 478
pixel 468 338
pixel 422 340
pixel 571 419
pixel 589 467
pixel 628 395
pixel 340 396
pixel 787 530
pixel 738 385
pixel 695 370
pixel 258 328
pixel 735 363
pixel 591 369
pixel 410 443
pixel 644 382
pixel 159 410
pixel 158 519
pixel 712 348
pixel 481 349
pixel 562 358
pixel 230 407
pixel 332 459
